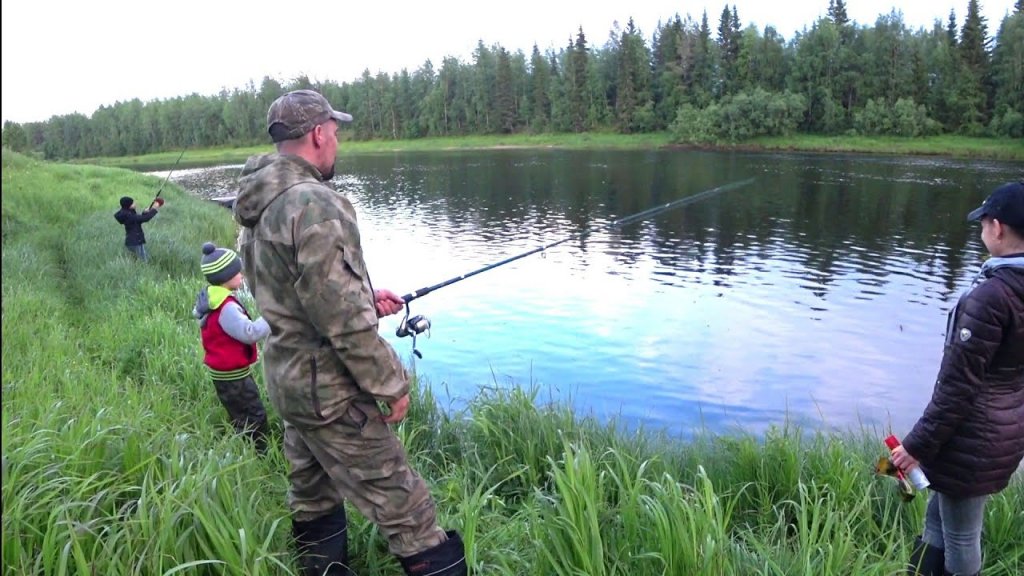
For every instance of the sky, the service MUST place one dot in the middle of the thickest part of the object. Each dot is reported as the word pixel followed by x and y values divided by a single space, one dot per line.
pixel 66 56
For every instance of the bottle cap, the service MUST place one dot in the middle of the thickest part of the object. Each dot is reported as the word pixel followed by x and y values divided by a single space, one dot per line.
pixel 892 442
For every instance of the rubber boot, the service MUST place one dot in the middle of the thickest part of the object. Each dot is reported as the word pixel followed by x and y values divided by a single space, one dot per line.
pixel 323 545
pixel 944 573
pixel 926 560
pixel 446 559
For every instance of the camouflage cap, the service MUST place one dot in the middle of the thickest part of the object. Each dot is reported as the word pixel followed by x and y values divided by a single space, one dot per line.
pixel 297 112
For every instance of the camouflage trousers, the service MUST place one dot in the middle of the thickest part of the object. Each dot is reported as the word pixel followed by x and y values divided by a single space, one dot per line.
pixel 241 399
pixel 357 457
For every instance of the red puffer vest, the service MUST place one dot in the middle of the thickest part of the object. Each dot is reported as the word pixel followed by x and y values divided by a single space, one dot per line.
pixel 227 358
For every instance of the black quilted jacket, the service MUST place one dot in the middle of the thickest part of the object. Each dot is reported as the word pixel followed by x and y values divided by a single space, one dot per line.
pixel 132 221
pixel 970 439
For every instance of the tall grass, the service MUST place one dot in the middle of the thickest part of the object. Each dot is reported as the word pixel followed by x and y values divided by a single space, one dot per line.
pixel 118 459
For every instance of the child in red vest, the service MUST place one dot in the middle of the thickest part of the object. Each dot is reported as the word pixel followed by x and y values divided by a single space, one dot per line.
pixel 229 340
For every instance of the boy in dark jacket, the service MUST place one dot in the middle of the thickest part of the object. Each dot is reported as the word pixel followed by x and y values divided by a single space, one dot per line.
pixel 229 340
pixel 970 439
pixel 134 239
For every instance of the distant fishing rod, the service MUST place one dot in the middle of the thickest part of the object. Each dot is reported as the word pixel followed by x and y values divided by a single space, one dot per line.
pixel 419 323
pixel 159 191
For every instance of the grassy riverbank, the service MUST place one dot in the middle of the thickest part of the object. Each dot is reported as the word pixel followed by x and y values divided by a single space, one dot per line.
pixel 943 146
pixel 117 458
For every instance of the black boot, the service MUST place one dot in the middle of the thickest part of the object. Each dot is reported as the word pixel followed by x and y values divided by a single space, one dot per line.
pixel 926 560
pixel 323 544
pixel 446 559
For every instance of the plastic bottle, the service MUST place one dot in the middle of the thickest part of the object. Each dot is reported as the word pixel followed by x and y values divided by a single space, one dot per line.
pixel 917 477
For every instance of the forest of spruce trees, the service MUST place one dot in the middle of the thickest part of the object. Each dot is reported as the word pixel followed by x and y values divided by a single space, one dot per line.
pixel 703 84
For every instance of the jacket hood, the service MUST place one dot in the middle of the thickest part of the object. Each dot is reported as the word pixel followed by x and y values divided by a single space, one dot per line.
pixel 264 178
pixel 1009 269
pixel 208 300
pixel 122 214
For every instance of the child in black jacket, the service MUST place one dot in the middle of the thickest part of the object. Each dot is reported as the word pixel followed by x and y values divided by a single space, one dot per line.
pixel 134 238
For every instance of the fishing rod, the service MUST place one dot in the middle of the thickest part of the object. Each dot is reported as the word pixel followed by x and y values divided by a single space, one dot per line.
pixel 418 324
pixel 159 191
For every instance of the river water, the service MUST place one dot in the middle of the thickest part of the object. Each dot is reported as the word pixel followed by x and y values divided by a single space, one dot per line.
pixel 817 294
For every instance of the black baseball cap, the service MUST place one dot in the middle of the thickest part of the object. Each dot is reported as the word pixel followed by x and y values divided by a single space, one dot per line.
pixel 1005 204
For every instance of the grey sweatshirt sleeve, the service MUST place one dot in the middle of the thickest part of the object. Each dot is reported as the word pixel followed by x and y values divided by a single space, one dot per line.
pixel 234 321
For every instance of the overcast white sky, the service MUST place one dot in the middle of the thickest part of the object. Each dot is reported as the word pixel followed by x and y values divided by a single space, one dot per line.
pixel 64 56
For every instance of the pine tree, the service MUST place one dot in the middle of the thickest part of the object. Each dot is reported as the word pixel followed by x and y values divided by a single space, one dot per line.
pixel 540 100
pixel 669 68
pixel 504 99
pixel 974 40
pixel 633 94
pixel 837 12
pixel 1008 75
pixel 625 95
pixel 728 48
pixel 974 58
pixel 951 28
pixel 557 91
pixel 578 55
pixel 702 72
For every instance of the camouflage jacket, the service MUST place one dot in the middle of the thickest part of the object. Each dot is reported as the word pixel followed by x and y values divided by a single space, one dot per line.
pixel 303 262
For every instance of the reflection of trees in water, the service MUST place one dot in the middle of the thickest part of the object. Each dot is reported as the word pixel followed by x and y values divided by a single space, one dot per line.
pixel 830 220
pixel 829 216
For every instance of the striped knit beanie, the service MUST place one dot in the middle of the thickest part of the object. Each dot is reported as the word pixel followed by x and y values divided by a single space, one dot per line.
pixel 219 264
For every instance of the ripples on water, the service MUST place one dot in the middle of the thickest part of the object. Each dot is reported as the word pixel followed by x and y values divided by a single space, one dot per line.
pixel 818 294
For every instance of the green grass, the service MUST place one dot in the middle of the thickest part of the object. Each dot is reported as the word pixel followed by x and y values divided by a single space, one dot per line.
pixel 948 146
pixel 118 459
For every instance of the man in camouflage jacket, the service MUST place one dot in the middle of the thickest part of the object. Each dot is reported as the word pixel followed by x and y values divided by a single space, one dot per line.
pixel 325 365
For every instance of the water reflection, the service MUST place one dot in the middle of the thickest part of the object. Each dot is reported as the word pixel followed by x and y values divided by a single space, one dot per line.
pixel 819 293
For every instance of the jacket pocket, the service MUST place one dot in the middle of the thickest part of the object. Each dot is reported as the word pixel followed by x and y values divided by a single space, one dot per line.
pixel 353 259
pixel 308 386
pixel 355 416
pixel 313 392
pixel 330 385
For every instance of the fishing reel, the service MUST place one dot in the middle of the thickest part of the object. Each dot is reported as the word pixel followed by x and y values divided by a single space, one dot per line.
pixel 413 327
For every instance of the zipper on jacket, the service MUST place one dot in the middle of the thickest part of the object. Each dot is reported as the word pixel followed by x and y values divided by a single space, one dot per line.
pixel 312 387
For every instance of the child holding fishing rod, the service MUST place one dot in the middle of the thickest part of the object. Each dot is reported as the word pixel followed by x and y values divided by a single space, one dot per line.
pixel 127 216
pixel 970 439
pixel 134 237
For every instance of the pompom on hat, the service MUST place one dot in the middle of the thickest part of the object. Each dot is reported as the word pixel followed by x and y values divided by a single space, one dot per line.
pixel 219 264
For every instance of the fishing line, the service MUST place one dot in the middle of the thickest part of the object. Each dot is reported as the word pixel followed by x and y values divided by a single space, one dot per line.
pixel 161 189
pixel 415 325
